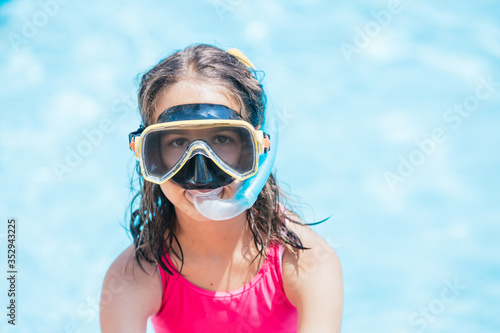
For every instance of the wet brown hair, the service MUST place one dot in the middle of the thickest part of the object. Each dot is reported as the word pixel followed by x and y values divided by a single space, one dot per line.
pixel 153 220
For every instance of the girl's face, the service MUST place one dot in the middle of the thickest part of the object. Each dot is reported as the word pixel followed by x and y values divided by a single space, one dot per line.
pixel 189 92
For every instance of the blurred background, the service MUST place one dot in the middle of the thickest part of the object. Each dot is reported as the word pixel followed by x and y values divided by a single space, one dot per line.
pixel 389 124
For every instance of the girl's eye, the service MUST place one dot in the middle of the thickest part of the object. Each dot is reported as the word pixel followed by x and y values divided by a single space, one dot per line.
pixel 178 142
pixel 222 139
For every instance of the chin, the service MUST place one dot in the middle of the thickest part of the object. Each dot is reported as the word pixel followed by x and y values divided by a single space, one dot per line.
pixel 196 216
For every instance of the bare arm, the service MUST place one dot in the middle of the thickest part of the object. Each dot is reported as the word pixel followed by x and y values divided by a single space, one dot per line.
pixel 129 295
pixel 313 284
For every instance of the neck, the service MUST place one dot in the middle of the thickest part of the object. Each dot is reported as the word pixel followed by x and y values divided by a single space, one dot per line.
pixel 213 238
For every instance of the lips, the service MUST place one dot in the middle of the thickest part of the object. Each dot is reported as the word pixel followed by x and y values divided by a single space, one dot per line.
pixel 205 194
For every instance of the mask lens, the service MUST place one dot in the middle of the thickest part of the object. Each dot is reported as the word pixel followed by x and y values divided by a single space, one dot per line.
pixel 234 146
pixel 153 156
pixel 166 149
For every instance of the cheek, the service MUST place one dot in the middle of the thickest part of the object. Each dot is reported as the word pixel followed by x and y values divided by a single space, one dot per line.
pixel 231 189
pixel 173 192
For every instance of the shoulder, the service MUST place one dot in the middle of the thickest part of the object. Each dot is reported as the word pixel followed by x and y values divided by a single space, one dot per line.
pixel 129 294
pixel 312 280
pixel 317 263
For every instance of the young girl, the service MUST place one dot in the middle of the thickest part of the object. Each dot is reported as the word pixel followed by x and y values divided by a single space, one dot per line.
pixel 215 248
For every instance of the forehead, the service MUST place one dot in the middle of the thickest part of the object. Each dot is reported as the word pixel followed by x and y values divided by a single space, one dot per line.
pixel 189 92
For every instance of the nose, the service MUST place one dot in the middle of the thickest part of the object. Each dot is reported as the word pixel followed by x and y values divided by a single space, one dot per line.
pixel 198 171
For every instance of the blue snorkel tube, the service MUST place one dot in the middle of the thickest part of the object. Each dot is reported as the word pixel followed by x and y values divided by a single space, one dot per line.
pixel 215 208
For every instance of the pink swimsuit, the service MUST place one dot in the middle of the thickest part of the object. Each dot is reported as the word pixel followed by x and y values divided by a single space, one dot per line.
pixel 259 306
